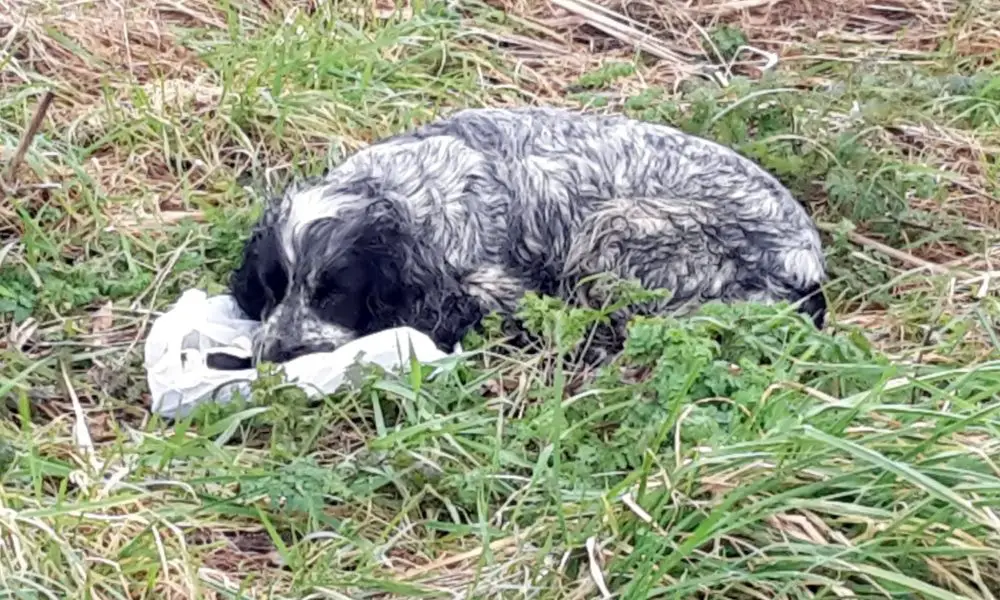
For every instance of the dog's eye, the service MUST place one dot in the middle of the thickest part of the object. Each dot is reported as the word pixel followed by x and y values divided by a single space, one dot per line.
pixel 326 291
pixel 327 285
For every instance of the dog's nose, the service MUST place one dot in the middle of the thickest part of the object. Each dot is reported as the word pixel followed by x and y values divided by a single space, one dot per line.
pixel 279 351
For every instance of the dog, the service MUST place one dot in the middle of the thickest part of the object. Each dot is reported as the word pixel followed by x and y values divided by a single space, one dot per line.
pixel 437 227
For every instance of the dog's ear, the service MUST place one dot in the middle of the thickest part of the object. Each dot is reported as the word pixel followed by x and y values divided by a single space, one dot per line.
pixel 386 245
pixel 364 280
pixel 260 281
pixel 411 279
pixel 385 273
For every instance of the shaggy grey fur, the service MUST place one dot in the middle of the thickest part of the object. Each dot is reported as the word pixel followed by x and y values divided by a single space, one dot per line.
pixel 439 226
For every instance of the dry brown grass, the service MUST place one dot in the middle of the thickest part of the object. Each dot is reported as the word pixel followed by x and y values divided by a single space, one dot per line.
pixel 81 47
pixel 91 54
pixel 570 37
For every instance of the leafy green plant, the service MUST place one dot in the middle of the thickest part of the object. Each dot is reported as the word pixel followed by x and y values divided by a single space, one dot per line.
pixel 728 39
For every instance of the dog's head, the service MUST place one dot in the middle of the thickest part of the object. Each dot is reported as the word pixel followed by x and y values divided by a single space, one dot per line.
pixel 321 268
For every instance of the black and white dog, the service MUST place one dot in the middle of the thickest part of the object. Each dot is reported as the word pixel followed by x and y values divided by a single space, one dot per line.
pixel 440 226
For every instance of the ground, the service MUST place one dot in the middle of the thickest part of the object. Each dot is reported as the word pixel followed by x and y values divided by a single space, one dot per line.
pixel 736 454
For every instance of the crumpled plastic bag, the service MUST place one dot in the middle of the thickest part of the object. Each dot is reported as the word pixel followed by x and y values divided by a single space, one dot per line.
pixel 186 344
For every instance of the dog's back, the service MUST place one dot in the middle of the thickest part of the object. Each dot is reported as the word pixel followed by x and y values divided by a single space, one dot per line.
pixel 590 194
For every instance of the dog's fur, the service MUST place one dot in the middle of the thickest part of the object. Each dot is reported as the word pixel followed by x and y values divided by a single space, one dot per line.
pixel 438 227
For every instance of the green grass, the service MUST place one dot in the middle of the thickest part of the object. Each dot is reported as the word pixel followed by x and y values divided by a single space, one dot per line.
pixel 738 453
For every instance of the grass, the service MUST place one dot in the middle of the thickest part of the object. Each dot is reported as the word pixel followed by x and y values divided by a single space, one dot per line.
pixel 735 454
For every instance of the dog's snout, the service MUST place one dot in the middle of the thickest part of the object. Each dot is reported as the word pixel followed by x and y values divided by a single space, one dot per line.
pixel 290 333
pixel 277 350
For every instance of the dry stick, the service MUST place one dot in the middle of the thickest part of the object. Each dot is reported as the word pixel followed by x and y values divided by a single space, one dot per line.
pixel 622 32
pixel 899 255
pixel 30 133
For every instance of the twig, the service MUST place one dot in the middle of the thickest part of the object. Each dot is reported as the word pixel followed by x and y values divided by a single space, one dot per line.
pixel 30 133
pixel 625 33
pixel 889 251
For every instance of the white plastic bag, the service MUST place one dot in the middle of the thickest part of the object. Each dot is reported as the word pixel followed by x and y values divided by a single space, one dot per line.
pixel 180 341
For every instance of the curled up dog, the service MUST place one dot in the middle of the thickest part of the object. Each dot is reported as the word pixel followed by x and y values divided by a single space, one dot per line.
pixel 437 227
